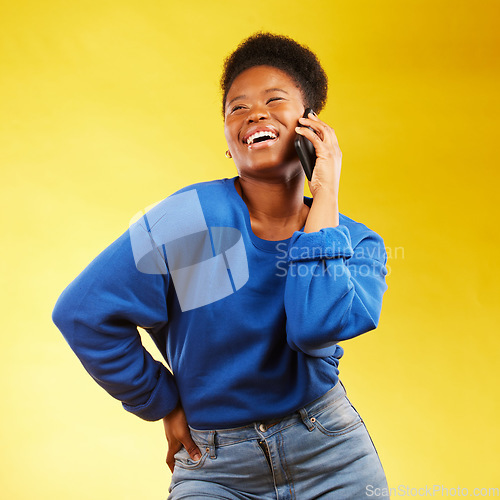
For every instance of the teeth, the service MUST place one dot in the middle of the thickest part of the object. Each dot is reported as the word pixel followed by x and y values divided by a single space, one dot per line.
pixel 266 133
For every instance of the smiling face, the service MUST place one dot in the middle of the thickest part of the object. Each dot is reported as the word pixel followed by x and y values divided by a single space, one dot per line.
pixel 263 107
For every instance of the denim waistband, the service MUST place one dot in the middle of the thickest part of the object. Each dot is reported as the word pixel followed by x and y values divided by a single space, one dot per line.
pixel 266 428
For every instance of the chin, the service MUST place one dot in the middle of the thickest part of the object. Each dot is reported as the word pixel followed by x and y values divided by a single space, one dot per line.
pixel 280 171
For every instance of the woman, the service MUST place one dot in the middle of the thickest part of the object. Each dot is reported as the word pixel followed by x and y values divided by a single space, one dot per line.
pixel 246 287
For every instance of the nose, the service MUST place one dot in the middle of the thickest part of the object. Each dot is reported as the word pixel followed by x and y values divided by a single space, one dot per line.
pixel 257 113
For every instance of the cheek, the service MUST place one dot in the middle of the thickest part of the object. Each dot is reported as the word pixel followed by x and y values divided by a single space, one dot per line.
pixel 229 135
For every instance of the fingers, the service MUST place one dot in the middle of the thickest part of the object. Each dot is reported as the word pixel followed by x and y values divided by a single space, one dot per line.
pixel 315 123
pixel 326 174
pixel 322 136
pixel 322 130
pixel 313 136
pixel 192 449
pixel 170 459
pixel 189 445
pixel 183 437
pixel 178 435
pixel 173 448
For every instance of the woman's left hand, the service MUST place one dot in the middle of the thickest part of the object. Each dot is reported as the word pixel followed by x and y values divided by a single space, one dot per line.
pixel 326 173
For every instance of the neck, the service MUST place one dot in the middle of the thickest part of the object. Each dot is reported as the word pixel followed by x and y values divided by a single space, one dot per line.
pixel 276 209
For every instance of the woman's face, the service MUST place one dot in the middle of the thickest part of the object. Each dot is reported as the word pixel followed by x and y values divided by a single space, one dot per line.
pixel 263 107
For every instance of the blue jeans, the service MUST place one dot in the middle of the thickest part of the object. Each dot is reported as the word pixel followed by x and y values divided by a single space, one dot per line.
pixel 322 451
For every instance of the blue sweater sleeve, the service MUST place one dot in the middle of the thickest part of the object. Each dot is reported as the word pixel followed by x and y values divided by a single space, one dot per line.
pixel 98 314
pixel 334 287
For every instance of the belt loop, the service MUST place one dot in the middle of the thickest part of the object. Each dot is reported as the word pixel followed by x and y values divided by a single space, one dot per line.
pixel 211 444
pixel 309 423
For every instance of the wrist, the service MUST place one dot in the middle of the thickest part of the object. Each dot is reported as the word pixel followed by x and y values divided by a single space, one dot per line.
pixel 325 193
pixel 174 412
pixel 324 213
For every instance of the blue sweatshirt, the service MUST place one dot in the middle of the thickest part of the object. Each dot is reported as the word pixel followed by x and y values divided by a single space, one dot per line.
pixel 249 328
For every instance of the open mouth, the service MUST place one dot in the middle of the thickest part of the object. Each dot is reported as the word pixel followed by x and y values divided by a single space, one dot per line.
pixel 261 139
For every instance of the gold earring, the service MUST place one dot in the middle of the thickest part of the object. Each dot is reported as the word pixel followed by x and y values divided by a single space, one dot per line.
pixel 228 154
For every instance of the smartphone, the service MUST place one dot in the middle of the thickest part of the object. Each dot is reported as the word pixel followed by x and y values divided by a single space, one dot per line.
pixel 305 150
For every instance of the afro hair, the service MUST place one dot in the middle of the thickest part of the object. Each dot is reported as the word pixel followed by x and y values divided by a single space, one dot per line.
pixel 285 54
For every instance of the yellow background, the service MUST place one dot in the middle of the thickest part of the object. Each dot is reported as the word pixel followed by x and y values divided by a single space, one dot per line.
pixel 109 106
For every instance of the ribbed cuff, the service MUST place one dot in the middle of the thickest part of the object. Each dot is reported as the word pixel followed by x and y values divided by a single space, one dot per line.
pixel 162 401
pixel 327 243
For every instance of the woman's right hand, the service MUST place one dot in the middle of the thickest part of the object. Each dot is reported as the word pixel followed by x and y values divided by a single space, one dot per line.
pixel 178 435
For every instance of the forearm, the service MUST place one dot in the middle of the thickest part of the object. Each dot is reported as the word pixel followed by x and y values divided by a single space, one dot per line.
pixel 324 211
pixel 325 181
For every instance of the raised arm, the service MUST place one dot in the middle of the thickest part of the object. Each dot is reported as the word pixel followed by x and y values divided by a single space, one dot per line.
pixel 336 274
pixel 334 287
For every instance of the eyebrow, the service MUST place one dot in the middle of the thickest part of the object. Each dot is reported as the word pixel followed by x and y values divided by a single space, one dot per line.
pixel 275 89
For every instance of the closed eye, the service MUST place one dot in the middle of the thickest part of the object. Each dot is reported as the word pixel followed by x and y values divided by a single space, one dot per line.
pixel 241 106
pixel 274 99
pixel 236 108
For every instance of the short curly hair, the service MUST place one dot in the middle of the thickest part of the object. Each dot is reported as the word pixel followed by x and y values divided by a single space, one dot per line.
pixel 283 53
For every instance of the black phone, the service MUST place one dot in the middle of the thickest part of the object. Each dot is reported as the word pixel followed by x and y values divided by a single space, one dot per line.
pixel 305 150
